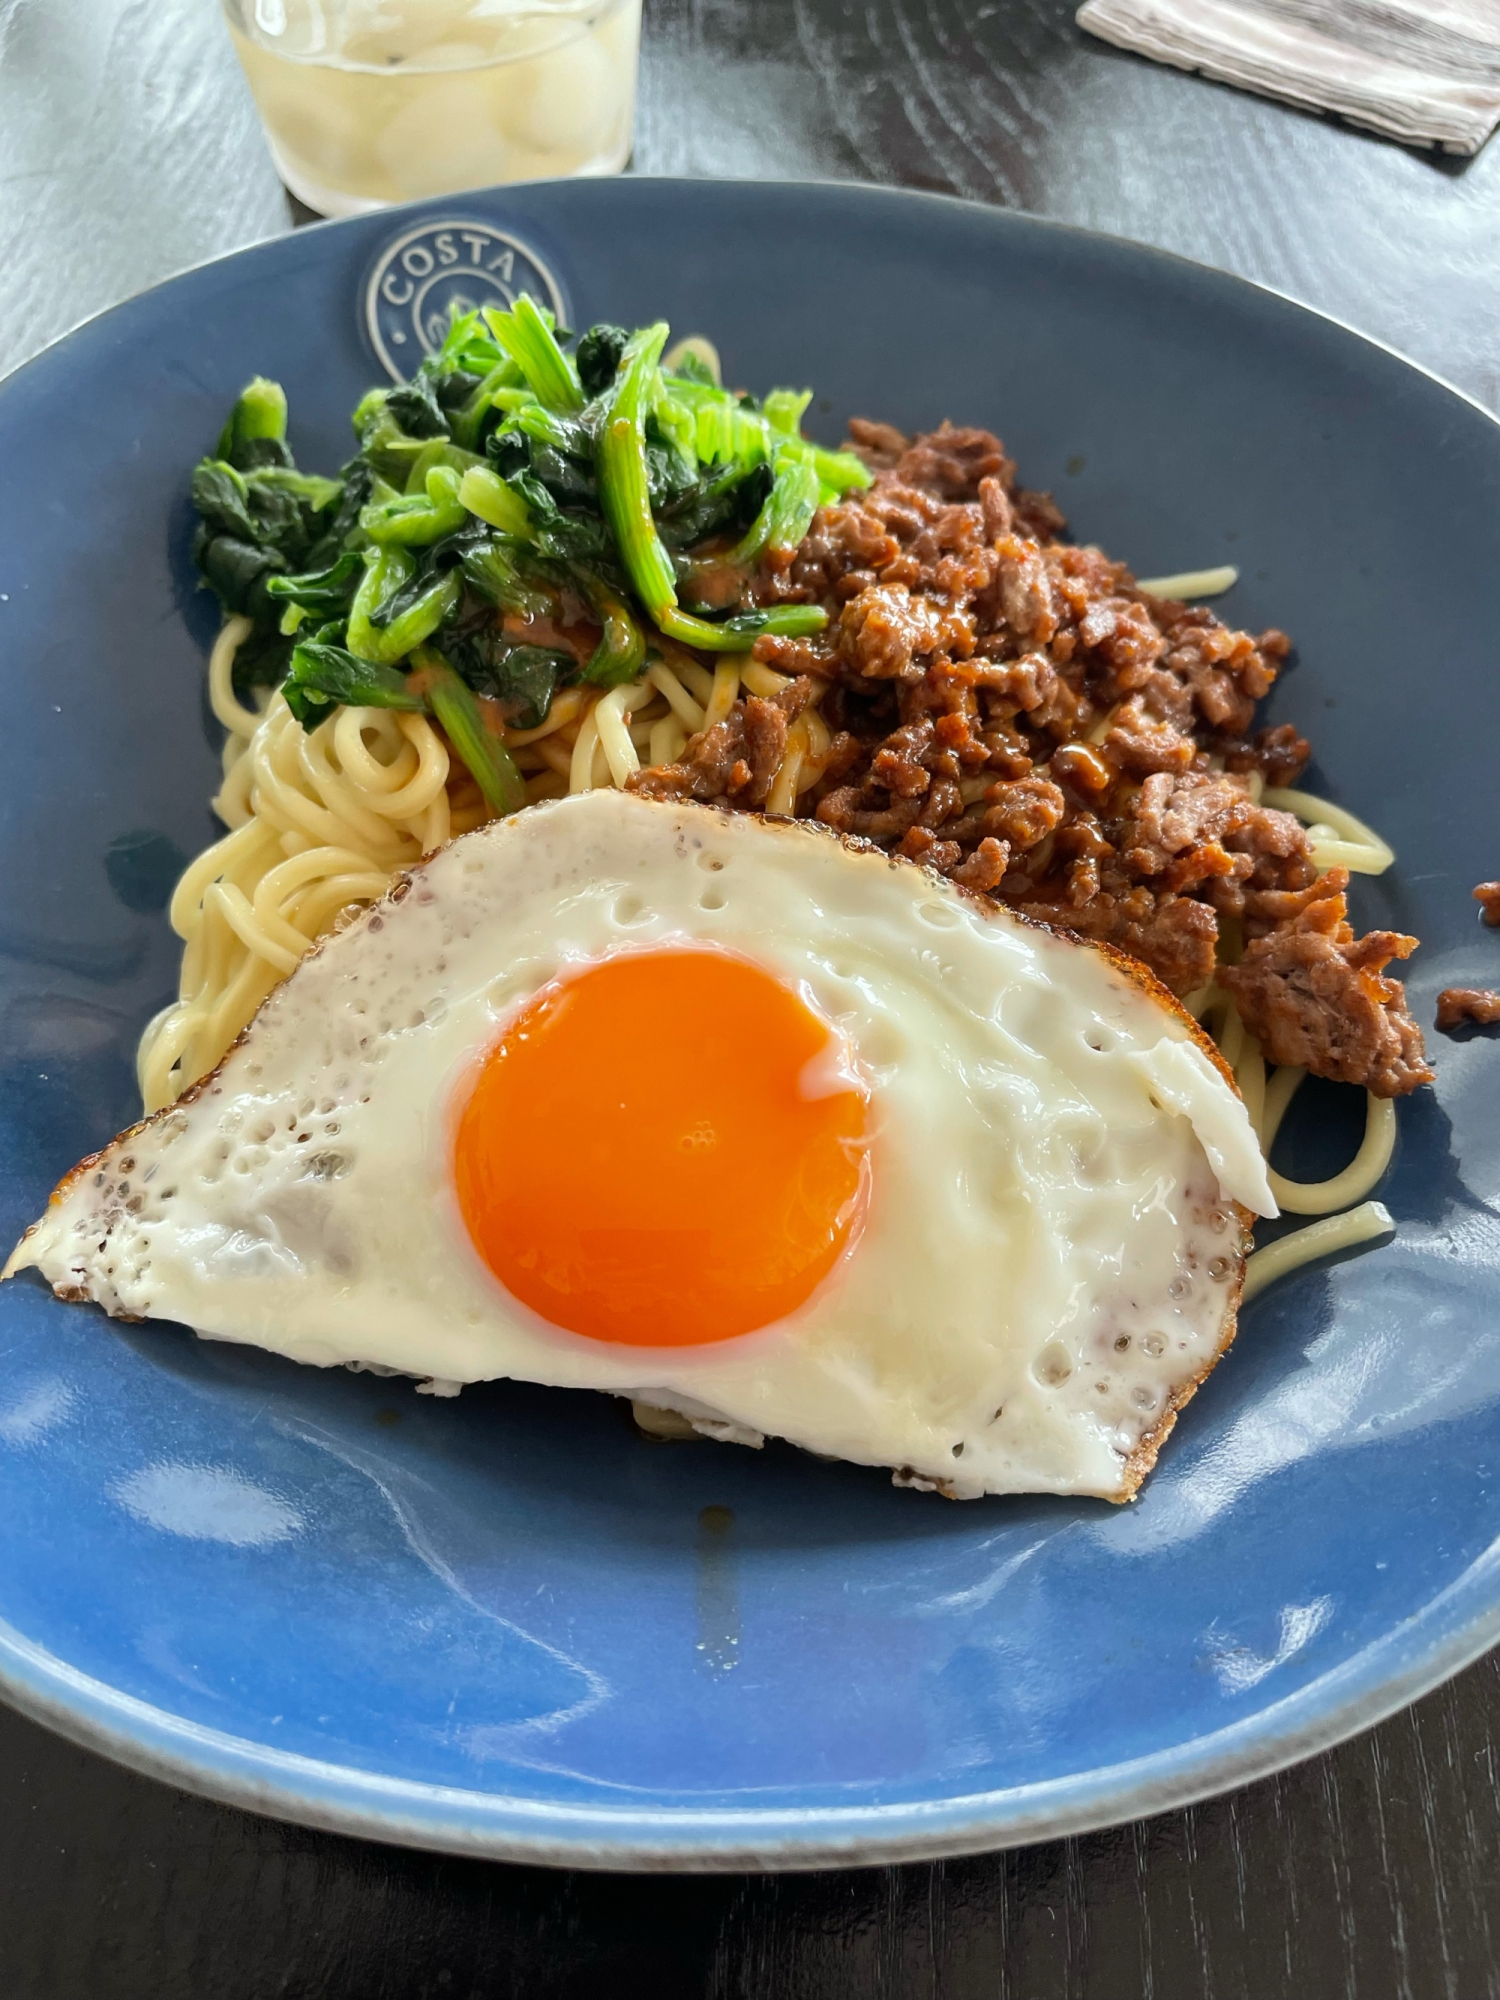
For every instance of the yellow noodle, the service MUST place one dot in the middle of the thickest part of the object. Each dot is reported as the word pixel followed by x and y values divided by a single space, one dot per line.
pixel 321 903
pixel 1357 1180
pixel 431 774
pixel 581 769
pixel 807 747
pixel 682 704
pixel 282 791
pixel 1266 1100
pixel 723 693
pixel 347 801
pixel 1354 855
pixel 319 824
pixel 1338 838
pixel 668 740
pixel 1231 1035
pixel 764 681
pixel 162 1044
pixel 357 759
pixel 248 841
pixel 237 719
pixel 232 904
pixel 819 744
pixel 233 803
pixel 609 720
pixel 233 1010
pixel 566 707
pixel 1039 860
pixel 781 800
pixel 1320 1239
pixel 558 757
pixel 278 885
pixel 1192 582
pixel 434 827
pixel 1250 1075
pixel 692 673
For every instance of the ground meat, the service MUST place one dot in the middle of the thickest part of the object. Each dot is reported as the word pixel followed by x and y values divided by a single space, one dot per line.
pixel 882 631
pixel 1464 1006
pixel 1173 934
pixel 735 759
pixel 1025 590
pixel 1023 813
pixel 879 445
pixel 1193 830
pixel 1279 754
pixel 1266 908
pixel 1312 994
pixel 898 765
pixel 985 867
pixel 1176 813
pixel 849 810
pixel 953 462
pixel 1138 743
pixel 1487 895
pixel 1011 710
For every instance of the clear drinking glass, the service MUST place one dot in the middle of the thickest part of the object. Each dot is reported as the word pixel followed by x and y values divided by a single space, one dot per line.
pixel 368 102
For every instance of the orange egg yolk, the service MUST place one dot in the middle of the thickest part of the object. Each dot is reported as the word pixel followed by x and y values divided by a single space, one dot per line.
pixel 663 1150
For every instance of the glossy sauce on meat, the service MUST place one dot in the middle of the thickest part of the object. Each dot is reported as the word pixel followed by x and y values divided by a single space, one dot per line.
pixel 1014 712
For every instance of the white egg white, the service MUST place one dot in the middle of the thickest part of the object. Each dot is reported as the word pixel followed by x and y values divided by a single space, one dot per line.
pixel 1053 1246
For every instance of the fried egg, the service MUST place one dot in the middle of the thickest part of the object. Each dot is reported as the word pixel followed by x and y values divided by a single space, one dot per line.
pixel 730 1116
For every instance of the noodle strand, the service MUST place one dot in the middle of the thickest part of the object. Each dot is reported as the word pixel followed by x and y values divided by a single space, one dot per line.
pixel 1362 1174
pixel 1319 1239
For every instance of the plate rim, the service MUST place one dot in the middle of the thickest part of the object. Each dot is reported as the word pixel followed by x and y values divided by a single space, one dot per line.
pixel 230 1770
pixel 253 1776
pixel 878 190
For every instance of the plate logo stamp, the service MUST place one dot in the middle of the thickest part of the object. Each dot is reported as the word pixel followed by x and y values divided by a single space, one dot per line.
pixel 439 268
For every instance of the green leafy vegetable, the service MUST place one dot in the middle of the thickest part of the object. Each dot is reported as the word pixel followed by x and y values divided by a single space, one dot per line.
pixel 326 591
pixel 598 357
pixel 387 448
pixel 324 677
pixel 452 701
pixel 788 510
pixel 398 605
pixel 415 407
pixel 522 679
pixel 484 493
pixel 621 653
pixel 739 634
pixel 624 484
pixel 525 334
pixel 439 451
pixel 521 489
pixel 502 570
pixel 415 519
pixel 255 434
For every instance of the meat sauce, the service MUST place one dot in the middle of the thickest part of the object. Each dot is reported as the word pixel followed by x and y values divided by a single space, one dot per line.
pixel 1014 711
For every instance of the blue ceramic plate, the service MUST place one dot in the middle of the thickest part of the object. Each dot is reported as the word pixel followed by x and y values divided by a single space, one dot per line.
pixel 504 1624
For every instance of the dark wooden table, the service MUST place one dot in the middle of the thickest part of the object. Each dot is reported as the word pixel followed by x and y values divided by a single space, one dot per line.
pixel 128 150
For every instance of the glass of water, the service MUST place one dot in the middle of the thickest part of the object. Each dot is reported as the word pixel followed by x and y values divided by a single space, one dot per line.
pixel 368 102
